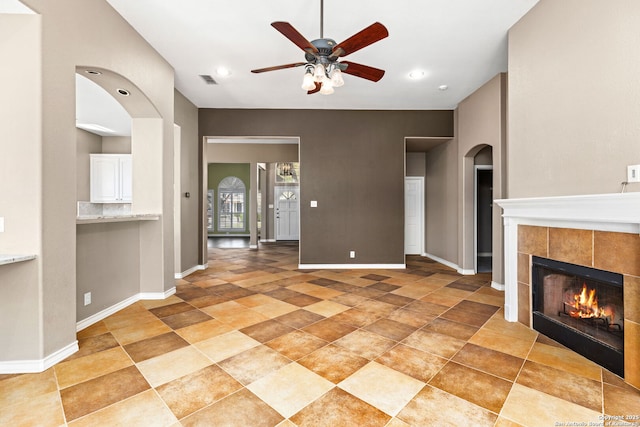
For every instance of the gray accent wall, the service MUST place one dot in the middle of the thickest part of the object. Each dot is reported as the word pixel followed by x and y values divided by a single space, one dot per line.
pixel 352 164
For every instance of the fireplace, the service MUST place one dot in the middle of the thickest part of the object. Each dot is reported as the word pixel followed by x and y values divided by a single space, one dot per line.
pixel 581 308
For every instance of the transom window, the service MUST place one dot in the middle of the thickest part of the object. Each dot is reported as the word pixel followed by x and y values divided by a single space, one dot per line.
pixel 231 204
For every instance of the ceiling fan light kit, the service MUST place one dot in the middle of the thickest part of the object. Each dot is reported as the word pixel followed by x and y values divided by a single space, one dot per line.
pixel 323 71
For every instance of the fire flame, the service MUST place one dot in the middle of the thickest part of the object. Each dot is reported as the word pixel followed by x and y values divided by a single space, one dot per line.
pixel 585 305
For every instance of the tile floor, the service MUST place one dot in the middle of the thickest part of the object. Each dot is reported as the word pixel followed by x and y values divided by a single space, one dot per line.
pixel 252 341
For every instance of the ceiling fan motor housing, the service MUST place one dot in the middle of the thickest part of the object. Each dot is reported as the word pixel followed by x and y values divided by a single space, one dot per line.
pixel 325 50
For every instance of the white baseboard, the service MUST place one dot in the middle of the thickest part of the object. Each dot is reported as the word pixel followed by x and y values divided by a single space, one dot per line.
pixel 350 266
pixel 189 271
pixel 267 240
pixel 466 271
pixel 85 323
pixel 497 286
pixel 444 262
pixel 39 365
pixel 253 246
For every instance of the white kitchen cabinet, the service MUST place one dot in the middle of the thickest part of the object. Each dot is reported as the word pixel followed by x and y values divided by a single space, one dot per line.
pixel 111 178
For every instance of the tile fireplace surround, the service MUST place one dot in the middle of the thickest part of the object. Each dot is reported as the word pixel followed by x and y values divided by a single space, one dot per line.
pixel 599 231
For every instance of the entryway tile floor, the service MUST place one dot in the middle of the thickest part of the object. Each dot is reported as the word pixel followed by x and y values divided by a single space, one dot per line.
pixel 253 341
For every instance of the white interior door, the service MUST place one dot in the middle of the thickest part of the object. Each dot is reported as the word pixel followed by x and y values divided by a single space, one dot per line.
pixel 287 210
pixel 413 215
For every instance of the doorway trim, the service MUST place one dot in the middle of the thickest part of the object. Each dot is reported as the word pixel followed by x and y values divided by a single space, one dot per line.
pixel 476 169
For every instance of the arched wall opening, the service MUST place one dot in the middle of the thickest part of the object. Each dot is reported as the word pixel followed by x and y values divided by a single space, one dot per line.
pixel 113 266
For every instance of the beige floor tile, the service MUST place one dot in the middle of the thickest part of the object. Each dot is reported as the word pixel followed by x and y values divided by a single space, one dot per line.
pixel 23 388
pixel 382 387
pixel 226 345
pixel 395 422
pixel 43 410
pixel 138 332
pixel 192 392
pixel 255 300
pixel 98 328
pixel 315 290
pixel 566 360
pixel 172 365
pixel 327 308
pixel 145 408
pixel 237 316
pixel 88 367
pixel 532 408
pixel 415 292
pixel 242 408
pixel 497 323
pixel 365 344
pixel 434 407
pixel 290 388
pixel 339 408
pixel 131 317
pixel 155 303
pixel 434 343
pixel 275 308
pixel 204 330
pixel 503 343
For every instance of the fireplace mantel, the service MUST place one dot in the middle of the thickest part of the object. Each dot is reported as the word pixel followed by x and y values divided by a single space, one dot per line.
pixel 619 212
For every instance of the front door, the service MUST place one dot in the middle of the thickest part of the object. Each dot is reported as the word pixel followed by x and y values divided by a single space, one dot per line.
pixel 287 210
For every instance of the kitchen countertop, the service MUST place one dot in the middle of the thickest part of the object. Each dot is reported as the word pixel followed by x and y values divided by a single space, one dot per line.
pixel 95 219
pixel 10 259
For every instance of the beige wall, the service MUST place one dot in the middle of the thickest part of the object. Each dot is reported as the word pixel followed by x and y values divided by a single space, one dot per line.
pixel 481 123
pixel 573 98
pixel 116 144
pixel 97 37
pixel 186 116
pixel 20 185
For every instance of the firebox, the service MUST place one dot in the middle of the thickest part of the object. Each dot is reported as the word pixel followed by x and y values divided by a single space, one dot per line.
pixel 581 308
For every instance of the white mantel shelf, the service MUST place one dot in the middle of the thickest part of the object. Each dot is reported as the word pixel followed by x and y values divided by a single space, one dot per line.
pixel 12 259
pixel 97 219
pixel 618 212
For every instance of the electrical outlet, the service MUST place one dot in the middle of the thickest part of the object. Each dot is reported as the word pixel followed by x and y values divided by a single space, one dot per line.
pixel 1 224
pixel 633 173
pixel 352 254
pixel 87 298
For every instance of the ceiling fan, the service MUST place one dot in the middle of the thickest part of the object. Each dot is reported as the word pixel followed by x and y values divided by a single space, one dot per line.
pixel 323 71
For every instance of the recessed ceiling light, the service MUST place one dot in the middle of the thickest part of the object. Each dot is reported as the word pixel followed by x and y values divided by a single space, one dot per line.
pixel 443 87
pixel 223 72
pixel 124 92
pixel 416 74
pixel 93 72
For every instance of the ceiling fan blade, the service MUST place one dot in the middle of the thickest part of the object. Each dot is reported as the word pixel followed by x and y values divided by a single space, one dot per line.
pixel 373 33
pixel 363 71
pixel 278 67
pixel 316 90
pixel 292 34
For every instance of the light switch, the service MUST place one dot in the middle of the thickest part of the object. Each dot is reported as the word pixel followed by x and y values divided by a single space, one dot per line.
pixel 314 203
pixel 1 224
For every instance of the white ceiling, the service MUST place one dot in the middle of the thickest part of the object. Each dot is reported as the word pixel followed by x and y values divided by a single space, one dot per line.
pixel 458 43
